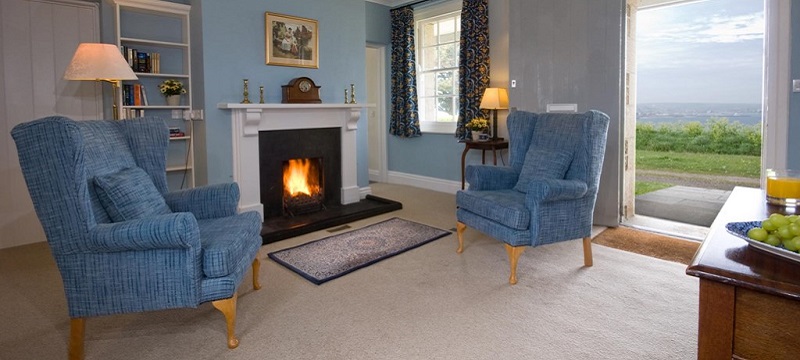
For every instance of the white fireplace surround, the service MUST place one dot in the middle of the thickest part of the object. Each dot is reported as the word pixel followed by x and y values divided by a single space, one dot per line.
pixel 248 119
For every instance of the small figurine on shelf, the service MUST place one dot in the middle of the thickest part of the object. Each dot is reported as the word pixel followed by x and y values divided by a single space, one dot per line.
pixel 172 89
pixel 245 93
pixel 261 95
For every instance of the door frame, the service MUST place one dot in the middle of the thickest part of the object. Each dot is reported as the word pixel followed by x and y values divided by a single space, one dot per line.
pixel 380 109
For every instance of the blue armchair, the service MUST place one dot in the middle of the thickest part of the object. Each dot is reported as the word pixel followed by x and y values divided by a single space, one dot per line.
pixel 548 192
pixel 121 241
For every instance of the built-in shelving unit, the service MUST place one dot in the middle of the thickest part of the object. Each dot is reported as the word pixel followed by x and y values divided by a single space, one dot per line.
pixel 160 30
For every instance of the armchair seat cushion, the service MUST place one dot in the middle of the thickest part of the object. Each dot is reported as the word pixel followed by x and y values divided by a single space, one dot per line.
pixel 503 206
pixel 224 242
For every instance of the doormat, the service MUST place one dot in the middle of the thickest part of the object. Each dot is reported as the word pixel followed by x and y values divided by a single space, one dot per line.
pixel 334 256
pixel 648 243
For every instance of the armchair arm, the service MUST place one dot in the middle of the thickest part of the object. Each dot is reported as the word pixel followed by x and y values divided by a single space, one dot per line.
pixel 487 177
pixel 170 231
pixel 544 190
pixel 205 202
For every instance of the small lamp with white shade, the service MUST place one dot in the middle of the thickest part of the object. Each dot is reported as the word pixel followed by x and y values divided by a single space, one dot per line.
pixel 494 99
pixel 100 62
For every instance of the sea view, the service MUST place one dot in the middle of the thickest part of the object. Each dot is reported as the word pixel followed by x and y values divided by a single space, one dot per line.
pixel 663 113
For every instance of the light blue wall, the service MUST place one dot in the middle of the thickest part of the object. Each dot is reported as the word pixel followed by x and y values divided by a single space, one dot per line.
pixel 233 49
pixel 793 156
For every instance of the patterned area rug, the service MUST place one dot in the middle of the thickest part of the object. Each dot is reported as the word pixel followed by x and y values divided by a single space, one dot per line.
pixel 334 256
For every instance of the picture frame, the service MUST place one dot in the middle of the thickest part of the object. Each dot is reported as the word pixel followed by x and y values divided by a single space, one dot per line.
pixel 291 41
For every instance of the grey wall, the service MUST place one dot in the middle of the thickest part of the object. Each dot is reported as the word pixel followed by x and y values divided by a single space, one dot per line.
pixel 793 149
pixel 572 52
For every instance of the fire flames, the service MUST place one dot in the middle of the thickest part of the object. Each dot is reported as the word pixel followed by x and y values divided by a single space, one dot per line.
pixel 301 177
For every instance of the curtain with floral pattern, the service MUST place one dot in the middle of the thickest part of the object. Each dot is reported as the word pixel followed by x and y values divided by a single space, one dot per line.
pixel 404 121
pixel 473 62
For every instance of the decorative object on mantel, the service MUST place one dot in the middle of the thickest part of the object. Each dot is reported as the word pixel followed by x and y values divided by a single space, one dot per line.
pixel 172 90
pixel 494 99
pixel 345 97
pixel 352 93
pixel 261 95
pixel 291 41
pixel 245 93
pixel 301 90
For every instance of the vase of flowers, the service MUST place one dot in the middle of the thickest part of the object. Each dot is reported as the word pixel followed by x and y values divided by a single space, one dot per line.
pixel 477 126
pixel 172 89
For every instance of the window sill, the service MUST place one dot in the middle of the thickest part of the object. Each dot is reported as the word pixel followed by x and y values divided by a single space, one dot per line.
pixel 438 127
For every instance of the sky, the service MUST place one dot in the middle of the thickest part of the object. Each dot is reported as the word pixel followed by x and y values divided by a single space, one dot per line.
pixel 700 52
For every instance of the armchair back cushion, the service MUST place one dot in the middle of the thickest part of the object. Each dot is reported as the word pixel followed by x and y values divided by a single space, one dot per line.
pixel 543 164
pixel 129 194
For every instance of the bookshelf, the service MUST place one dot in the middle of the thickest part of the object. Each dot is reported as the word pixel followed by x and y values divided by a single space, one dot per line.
pixel 154 36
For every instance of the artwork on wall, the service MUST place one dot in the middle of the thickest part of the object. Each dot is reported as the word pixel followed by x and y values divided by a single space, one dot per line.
pixel 291 41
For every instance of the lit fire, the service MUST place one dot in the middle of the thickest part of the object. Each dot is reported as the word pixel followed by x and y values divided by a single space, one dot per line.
pixel 300 177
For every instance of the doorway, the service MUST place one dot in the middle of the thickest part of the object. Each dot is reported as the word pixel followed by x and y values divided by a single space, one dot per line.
pixel 376 115
pixel 687 102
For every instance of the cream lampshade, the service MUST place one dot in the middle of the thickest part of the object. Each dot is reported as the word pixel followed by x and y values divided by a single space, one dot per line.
pixel 494 99
pixel 100 62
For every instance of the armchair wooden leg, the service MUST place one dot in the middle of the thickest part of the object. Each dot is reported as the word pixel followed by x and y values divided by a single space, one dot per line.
pixel 460 227
pixel 77 329
pixel 256 269
pixel 228 308
pixel 587 251
pixel 513 256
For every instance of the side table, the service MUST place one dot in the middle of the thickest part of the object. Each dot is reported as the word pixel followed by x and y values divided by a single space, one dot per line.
pixel 493 145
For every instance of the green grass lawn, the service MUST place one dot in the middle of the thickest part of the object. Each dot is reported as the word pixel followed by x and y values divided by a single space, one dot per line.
pixel 696 163
pixel 644 187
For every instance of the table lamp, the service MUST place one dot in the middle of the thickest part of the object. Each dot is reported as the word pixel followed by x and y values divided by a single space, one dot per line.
pixel 100 62
pixel 494 99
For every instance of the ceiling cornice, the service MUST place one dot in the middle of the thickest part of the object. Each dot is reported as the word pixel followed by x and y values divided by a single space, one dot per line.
pixel 391 3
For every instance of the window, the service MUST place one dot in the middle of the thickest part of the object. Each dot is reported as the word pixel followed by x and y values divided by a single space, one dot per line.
pixel 438 30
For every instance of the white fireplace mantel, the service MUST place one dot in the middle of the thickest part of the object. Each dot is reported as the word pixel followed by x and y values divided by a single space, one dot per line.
pixel 248 119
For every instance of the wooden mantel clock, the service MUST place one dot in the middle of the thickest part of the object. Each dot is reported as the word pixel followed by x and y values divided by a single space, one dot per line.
pixel 301 90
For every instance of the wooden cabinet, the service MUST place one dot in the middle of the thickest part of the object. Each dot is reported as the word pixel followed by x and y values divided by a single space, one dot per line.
pixel 749 299
pixel 154 37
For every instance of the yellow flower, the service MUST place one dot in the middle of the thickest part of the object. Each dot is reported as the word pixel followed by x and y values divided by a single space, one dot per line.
pixel 171 87
pixel 477 124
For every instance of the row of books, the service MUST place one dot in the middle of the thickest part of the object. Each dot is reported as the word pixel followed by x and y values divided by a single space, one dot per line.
pixel 142 62
pixel 134 95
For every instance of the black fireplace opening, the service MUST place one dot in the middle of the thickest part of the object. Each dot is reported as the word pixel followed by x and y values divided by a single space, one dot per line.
pixel 320 150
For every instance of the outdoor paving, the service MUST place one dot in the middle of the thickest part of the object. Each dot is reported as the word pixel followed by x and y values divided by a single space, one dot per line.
pixel 690 205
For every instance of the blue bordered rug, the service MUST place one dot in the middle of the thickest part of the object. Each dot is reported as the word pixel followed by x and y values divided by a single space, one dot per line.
pixel 337 255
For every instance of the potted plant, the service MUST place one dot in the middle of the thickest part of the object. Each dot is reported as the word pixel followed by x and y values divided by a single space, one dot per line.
pixel 172 89
pixel 477 126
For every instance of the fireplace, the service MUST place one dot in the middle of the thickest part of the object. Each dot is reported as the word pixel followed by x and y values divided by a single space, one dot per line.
pixel 300 170
pixel 296 131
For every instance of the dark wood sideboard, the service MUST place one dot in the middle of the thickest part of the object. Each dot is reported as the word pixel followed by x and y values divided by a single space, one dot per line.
pixel 749 299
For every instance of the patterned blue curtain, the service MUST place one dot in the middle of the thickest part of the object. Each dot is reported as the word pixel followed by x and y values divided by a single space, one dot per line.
pixel 473 64
pixel 405 117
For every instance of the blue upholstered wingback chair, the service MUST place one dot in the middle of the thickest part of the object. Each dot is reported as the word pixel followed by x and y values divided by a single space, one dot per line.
pixel 121 241
pixel 548 192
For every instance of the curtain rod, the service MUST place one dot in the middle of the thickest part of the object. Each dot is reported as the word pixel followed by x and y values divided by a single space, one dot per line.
pixel 413 3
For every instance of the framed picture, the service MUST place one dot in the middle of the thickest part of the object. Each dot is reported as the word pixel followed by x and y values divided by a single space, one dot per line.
pixel 291 41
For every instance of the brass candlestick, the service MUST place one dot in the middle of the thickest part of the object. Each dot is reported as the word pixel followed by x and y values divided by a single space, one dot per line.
pixel 245 93
pixel 261 95
pixel 345 96
pixel 352 94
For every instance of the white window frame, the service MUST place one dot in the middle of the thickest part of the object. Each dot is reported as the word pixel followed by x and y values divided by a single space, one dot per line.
pixel 421 14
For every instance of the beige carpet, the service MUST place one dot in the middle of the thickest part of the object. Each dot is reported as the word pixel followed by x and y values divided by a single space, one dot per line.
pixel 650 244
pixel 428 303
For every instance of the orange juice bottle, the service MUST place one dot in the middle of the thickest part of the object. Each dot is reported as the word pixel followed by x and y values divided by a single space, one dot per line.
pixel 783 187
